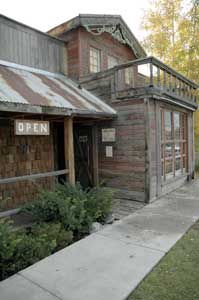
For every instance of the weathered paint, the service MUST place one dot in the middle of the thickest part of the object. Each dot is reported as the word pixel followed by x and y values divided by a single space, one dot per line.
pixel 26 87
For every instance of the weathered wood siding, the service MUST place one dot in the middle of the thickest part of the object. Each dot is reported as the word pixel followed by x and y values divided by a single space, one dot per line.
pixel 23 45
pixel 73 54
pixel 107 45
pixel 125 171
pixel 79 42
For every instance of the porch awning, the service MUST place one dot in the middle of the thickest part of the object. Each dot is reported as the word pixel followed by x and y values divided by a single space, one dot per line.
pixel 26 89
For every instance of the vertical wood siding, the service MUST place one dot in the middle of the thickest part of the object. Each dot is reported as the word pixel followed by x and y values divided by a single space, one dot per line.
pixel 26 46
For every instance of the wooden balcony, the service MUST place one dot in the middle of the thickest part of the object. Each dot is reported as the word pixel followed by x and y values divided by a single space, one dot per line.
pixel 151 76
pixel 147 77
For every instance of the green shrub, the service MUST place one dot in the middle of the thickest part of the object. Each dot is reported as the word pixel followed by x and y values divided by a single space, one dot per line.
pixel 31 249
pixel 53 232
pixel 99 203
pixel 8 243
pixel 19 249
pixel 197 166
pixel 72 206
pixel 59 213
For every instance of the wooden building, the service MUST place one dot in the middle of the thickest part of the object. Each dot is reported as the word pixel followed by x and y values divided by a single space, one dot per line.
pixel 84 103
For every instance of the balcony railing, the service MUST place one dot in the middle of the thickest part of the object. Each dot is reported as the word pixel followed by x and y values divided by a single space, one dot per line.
pixel 150 75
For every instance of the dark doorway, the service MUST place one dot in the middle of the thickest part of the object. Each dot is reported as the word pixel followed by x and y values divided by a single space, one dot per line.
pixel 83 155
pixel 59 158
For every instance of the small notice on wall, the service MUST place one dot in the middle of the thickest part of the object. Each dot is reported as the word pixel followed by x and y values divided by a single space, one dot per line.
pixel 32 127
pixel 83 139
pixel 109 151
pixel 108 135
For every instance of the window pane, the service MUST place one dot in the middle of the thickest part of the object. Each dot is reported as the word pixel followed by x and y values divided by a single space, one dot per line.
pixel 94 60
pixel 169 166
pixel 177 126
pixel 184 163
pixel 177 150
pixel 184 124
pixel 177 156
pixel 167 124
pixel 168 150
pixel 178 164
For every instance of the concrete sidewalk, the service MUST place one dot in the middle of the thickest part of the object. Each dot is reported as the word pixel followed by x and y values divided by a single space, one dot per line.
pixel 109 264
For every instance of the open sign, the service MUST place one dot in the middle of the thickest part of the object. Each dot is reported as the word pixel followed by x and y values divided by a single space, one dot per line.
pixel 32 127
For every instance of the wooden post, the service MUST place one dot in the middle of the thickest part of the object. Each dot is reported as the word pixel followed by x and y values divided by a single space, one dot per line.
pixel 151 74
pixel 69 149
pixel 95 156
pixel 158 75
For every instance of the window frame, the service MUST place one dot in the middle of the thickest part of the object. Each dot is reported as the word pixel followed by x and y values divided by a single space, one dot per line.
pixel 182 141
pixel 94 67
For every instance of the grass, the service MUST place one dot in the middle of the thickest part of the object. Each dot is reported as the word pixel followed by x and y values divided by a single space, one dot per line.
pixel 176 277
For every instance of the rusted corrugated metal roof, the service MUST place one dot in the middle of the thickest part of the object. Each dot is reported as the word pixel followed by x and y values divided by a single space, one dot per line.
pixel 23 86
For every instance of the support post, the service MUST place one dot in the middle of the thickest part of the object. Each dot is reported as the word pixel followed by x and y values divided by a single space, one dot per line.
pixel 69 149
pixel 95 156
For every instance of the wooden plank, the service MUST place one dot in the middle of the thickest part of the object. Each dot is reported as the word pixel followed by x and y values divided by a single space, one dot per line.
pixel 33 176
pixel 95 155
pixel 158 116
pixel 69 149
pixel 148 175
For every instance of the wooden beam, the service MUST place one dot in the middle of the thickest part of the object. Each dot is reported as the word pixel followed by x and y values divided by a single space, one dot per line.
pixel 33 176
pixel 69 149
pixel 95 156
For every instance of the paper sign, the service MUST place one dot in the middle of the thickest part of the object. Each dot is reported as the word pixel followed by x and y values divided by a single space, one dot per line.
pixel 108 135
pixel 109 151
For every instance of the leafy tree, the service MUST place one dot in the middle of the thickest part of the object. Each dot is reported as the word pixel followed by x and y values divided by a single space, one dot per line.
pixel 172 29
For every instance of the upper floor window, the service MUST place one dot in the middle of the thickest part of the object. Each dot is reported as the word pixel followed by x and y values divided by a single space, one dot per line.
pixel 94 60
pixel 112 61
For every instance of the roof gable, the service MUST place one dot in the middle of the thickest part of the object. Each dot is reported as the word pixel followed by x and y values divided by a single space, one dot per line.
pixel 97 24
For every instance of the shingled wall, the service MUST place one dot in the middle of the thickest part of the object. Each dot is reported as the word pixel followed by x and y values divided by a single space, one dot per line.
pixel 23 155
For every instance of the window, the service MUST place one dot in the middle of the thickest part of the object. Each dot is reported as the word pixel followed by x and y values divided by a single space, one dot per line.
pixel 173 143
pixel 94 60
pixel 112 61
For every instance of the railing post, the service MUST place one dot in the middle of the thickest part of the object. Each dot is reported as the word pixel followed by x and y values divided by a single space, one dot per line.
pixel 151 73
pixel 170 82
pixel 165 80
pixel 158 75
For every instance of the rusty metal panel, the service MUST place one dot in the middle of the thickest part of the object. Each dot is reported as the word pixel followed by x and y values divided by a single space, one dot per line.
pixel 46 89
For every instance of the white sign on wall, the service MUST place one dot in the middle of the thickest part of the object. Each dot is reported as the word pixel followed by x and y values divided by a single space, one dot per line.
pixel 32 127
pixel 109 151
pixel 108 135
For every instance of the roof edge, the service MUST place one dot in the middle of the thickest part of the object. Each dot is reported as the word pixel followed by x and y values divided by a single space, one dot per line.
pixel 32 28
pixel 79 21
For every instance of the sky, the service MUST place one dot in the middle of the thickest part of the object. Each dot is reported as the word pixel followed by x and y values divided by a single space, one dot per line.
pixel 46 14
